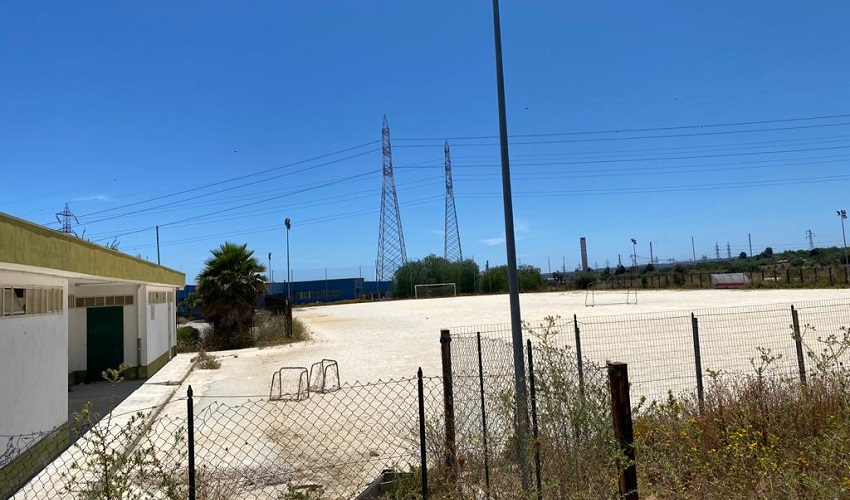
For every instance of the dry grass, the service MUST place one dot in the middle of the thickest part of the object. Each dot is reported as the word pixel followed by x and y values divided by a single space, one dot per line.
pixel 270 330
pixel 756 436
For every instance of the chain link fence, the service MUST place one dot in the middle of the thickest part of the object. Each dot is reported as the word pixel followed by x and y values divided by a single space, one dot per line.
pixel 666 352
pixel 457 435
pixel 331 444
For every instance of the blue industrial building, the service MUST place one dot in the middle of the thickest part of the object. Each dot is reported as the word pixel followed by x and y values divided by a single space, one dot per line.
pixel 333 290
pixel 310 292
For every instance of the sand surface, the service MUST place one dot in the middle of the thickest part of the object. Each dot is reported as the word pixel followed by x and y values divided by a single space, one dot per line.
pixel 368 429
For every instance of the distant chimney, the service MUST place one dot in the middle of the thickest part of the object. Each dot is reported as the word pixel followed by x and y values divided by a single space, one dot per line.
pixel 583 253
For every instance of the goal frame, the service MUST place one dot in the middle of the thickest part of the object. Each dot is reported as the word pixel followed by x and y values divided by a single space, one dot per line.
pixel 590 296
pixel 419 290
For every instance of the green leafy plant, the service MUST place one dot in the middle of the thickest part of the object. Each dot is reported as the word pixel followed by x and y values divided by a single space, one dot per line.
pixel 755 436
pixel 116 461
pixel 188 339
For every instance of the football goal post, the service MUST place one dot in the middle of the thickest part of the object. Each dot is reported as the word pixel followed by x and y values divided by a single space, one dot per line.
pixel 436 290
pixel 609 296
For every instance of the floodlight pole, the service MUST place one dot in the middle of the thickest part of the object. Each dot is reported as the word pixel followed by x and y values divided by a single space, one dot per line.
pixel 842 214
pixel 271 275
pixel 513 285
pixel 288 273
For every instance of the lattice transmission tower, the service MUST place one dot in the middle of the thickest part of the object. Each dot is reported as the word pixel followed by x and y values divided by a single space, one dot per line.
pixel 391 252
pixel 451 247
pixel 67 218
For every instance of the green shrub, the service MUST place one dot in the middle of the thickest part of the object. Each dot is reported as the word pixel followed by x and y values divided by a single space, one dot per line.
pixel 582 280
pixel 188 339
pixel 756 436
pixel 270 329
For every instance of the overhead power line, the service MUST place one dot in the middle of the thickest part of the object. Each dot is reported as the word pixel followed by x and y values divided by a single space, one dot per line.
pixel 192 199
pixel 232 179
pixel 633 130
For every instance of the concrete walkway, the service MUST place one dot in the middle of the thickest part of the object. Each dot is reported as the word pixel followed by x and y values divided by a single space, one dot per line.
pixel 150 397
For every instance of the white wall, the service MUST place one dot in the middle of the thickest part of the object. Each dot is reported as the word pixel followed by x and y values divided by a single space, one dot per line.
pixel 78 327
pixel 160 327
pixel 34 359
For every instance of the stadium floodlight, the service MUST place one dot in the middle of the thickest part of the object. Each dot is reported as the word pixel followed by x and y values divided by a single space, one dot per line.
pixel 842 214
pixel 288 273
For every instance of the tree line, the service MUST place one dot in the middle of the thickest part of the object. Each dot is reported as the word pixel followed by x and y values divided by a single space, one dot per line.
pixel 465 274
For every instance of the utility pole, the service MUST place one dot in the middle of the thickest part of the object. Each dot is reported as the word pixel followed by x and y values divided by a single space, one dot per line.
pixel 651 258
pixel 157 246
pixel 811 236
pixel 451 247
pixel 750 238
pixel 564 264
pixel 520 391
pixel 728 251
pixel 634 253
pixel 842 214
pixel 288 224
pixel 549 261
pixel 716 251
pixel 271 273
pixel 66 220
pixel 391 250
pixel 694 248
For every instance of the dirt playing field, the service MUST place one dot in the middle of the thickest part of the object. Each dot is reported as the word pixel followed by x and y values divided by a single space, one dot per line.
pixel 391 339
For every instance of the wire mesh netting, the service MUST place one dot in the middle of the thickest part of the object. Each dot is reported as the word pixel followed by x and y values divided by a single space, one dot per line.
pixel 571 413
pixel 659 347
pixel 331 444
pixel 573 403
pixel 311 436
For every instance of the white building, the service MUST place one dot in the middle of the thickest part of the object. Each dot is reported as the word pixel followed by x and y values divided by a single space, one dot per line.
pixel 69 309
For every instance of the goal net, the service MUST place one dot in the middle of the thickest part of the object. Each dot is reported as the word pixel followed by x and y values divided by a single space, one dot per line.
pixel 596 295
pixel 437 290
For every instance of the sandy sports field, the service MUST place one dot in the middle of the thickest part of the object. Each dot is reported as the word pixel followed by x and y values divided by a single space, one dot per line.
pixel 341 440
pixel 391 339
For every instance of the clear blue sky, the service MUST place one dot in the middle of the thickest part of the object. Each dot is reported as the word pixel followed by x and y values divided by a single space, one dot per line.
pixel 194 115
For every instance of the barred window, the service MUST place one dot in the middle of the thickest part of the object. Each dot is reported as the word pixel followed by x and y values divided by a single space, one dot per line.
pixel 107 300
pixel 18 301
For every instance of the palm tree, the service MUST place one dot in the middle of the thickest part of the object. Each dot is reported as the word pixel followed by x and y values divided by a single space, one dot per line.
pixel 228 288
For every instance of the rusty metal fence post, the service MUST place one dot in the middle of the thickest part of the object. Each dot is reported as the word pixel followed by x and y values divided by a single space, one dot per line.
pixel 698 362
pixel 448 402
pixel 798 340
pixel 618 377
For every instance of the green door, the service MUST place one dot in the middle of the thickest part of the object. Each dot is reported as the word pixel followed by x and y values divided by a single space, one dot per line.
pixel 105 340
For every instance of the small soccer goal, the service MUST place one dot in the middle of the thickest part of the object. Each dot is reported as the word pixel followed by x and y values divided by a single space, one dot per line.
pixel 608 297
pixel 290 383
pixel 437 290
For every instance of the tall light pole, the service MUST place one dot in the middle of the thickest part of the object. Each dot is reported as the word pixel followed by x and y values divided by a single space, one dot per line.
pixel 842 214
pixel 520 393
pixel 288 274
pixel 270 273
pixel 694 248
